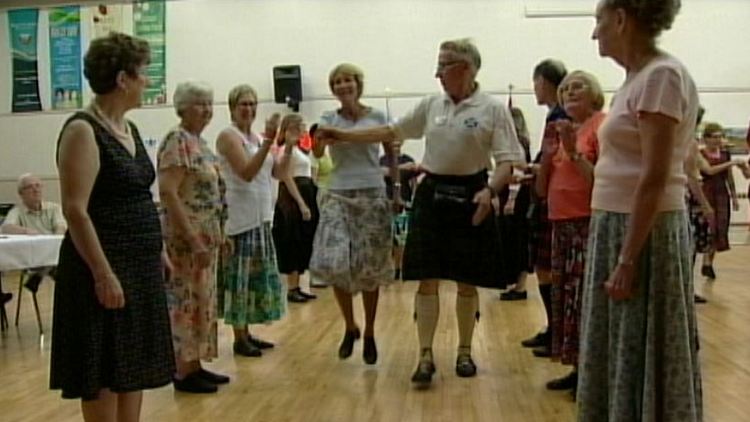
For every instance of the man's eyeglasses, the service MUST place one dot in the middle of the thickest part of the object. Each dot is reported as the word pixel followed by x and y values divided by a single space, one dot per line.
pixel 445 65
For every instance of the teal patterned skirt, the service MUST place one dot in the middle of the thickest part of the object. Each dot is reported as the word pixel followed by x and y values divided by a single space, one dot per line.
pixel 252 289
pixel 639 357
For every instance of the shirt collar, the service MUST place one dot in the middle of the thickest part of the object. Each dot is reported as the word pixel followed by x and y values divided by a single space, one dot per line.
pixel 470 101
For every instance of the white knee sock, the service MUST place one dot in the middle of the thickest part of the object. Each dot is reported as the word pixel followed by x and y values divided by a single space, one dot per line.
pixel 427 308
pixel 466 313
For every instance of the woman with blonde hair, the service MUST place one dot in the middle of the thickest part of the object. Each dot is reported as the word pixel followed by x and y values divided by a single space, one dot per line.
pixel 253 291
pixel 352 247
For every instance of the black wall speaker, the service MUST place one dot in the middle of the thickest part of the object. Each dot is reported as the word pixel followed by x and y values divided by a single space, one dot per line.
pixel 287 85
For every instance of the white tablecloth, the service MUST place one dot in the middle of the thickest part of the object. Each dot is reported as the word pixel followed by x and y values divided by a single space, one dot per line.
pixel 18 252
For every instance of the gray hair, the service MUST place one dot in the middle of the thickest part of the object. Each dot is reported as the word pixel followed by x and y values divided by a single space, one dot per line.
pixel 22 179
pixel 466 50
pixel 653 16
pixel 189 92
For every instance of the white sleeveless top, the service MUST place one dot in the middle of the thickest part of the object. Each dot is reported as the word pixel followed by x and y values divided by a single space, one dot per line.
pixel 301 164
pixel 249 204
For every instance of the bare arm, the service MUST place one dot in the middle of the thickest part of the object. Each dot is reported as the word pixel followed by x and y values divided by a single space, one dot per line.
pixel 710 170
pixel 78 164
pixel 694 184
pixel 284 169
pixel 16 229
pixel 371 135
pixel 229 145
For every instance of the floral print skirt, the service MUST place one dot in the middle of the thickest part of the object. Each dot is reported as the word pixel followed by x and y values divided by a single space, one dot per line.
pixel 639 357
pixel 253 291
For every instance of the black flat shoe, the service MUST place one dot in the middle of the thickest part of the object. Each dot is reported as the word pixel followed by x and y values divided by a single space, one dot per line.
pixel 245 348
pixel 295 296
pixel 465 366
pixel 260 344
pixel 708 271
pixel 306 295
pixel 369 351
pixel 542 351
pixel 194 384
pixel 514 295
pixel 699 299
pixel 540 339
pixel 567 382
pixel 423 375
pixel 212 377
pixel 347 344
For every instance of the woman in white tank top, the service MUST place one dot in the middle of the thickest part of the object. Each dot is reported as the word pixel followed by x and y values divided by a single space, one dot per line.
pixel 252 290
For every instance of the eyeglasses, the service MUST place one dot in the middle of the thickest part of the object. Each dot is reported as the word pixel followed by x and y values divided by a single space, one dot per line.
pixel 573 86
pixel 441 67
pixel 717 135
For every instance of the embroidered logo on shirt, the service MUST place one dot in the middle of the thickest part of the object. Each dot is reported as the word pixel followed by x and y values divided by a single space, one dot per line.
pixel 471 123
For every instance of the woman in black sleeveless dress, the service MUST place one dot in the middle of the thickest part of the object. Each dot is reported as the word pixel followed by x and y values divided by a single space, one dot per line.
pixel 111 335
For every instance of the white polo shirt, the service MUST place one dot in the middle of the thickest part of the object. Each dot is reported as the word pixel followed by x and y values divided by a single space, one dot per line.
pixel 461 138
pixel 45 221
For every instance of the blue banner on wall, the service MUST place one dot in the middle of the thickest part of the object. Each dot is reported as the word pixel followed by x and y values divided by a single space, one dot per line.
pixel 65 57
pixel 23 28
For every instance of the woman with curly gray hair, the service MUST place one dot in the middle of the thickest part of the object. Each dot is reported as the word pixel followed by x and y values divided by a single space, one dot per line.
pixel 638 351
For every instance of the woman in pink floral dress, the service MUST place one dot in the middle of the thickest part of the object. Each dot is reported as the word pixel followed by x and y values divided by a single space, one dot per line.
pixel 189 189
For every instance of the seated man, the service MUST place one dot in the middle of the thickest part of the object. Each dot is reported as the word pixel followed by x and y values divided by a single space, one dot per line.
pixel 34 216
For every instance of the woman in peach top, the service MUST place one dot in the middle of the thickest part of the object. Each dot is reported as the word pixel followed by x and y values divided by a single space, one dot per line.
pixel 566 178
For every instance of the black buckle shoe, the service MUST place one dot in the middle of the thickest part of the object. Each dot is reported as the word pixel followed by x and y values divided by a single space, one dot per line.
pixel 212 377
pixel 540 339
pixel 370 351
pixel 514 295
pixel 567 382
pixel 347 344
pixel 194 384
pixel 295 296
pixel 260 344
pixel 423 375
pixel 465 366
pixel 245 348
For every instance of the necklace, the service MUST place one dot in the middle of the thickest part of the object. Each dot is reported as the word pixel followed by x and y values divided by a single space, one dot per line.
pixel 119 133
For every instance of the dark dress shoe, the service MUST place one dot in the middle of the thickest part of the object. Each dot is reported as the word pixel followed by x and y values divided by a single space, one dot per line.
pixel 465 366
pixel 295 296
pixel 5 298
pixel 699 299
pixel 708 271
pixel 212 377
pixel 540 339
pixel 306 295
pixel 260 344
pixel 369 351
pixel 397 274
pixel 347 344
pixel 542 351
pixel 245 348
pixel 567 382
pixel 423 375
pixel 33 282
pixel 194 384
pixel 514 295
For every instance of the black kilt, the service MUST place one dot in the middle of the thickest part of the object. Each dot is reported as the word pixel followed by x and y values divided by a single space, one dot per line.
pixel 292 236
pixel 442 243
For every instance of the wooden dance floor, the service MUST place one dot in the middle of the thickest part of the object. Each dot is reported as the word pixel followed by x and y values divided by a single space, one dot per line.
pixel 303 379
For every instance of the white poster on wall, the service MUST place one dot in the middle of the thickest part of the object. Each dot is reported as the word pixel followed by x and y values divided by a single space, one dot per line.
pixel 106 18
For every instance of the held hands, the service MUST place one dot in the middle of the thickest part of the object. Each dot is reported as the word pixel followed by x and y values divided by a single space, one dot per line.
pixel 109 291
pixel 483 199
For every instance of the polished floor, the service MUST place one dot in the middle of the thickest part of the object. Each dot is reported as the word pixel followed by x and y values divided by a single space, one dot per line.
pixel 303 379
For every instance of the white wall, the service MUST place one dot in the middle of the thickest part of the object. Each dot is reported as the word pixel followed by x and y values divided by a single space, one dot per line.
pixel 227 42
